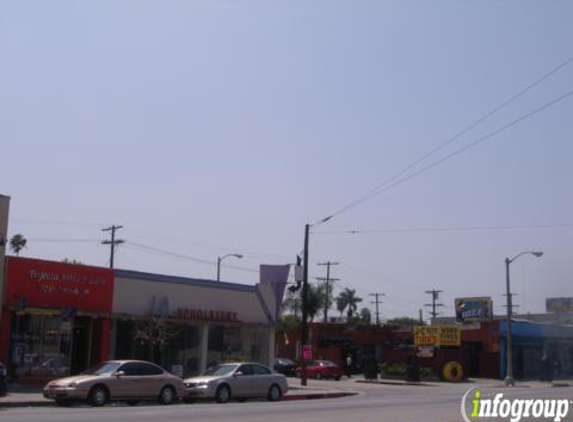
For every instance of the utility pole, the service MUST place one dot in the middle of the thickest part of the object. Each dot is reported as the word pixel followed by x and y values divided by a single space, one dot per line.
pixel 435 295
pixel 112 242
pixel 377 302
pixel 304 323
pixel 328 280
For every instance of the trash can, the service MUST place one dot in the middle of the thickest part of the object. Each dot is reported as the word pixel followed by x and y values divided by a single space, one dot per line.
pixel 370 368
pixel 413 370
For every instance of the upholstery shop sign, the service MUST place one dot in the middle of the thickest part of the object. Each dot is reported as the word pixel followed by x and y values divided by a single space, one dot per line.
pixel 34 282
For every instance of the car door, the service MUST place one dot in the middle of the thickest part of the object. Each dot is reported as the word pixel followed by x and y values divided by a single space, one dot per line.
pixel 150 381
pixel 243 380
pixel 124 383
pixel 262 380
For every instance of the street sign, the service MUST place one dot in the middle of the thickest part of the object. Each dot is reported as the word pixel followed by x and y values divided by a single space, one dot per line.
pixel 307 352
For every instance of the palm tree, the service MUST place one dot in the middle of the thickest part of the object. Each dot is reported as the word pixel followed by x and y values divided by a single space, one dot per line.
pixel 292 304
pixel 365 315
pixel 17 243
pixel 347 299
pixel 316 300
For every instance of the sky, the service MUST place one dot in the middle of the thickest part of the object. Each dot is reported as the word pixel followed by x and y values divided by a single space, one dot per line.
pixel 215 127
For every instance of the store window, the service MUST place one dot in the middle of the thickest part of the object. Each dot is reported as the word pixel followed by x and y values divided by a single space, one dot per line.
pixel 238 343
pixel 40 345
pixel 178 351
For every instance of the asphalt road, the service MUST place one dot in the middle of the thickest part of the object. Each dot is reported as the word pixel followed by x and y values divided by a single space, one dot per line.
pixel 374 403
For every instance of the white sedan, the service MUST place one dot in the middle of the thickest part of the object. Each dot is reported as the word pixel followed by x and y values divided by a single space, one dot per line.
pixel 236 380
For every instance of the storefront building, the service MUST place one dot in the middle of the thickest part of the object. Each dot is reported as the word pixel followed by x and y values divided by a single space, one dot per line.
pixel 58 319
pixel 187 324
pixel 535 343
pixel 55 318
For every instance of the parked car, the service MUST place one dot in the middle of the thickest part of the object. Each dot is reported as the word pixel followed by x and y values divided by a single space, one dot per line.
pixel 124 380
pixel 236 380
pixel 3 380
pixel 319 369
pixel 285 366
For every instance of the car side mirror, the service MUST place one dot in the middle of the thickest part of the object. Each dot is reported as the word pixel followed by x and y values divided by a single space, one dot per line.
pixel 238 374
pixel 119 374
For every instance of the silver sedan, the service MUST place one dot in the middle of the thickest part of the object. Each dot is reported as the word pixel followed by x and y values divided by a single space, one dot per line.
pixel 236 380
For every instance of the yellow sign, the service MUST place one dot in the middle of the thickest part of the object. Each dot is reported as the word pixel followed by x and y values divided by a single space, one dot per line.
pixel 437 335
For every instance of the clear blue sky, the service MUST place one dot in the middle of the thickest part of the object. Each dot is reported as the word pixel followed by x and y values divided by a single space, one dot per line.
pixel 209 127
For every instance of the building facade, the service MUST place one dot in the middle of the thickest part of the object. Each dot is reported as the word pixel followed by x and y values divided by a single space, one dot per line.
pixel 59 319
pixel 55 318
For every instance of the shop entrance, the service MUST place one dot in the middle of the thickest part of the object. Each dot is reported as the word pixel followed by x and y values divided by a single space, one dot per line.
pixel 81 344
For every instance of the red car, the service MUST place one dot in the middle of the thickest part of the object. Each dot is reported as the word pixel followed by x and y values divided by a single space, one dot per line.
pixel 319 369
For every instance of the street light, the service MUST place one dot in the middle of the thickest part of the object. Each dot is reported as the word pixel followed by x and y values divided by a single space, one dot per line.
pixel 509 351
pixel 220 258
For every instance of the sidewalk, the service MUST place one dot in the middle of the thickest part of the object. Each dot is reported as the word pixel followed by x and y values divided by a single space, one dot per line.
pixel 32 396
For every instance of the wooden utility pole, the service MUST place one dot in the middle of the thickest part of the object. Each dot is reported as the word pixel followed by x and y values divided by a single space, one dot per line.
pixel 112 242
pixel 327 280
pixel 435 295
pixel 377 301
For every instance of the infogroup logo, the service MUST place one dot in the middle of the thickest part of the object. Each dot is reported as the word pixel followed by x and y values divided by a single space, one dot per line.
pixel 513 410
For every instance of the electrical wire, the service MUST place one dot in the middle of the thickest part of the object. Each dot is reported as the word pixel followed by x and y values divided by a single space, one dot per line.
pixel 41 239
pixel 54 222
pixel 447 229
pixel 379 188
pixel 151 249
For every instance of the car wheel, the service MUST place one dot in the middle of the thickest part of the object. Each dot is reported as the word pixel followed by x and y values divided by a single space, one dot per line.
pixel 132 402
pixel 275 393
pixel 337 378
pixel 98 396
pixel 318 376
pixel 166 396
pixel 223 394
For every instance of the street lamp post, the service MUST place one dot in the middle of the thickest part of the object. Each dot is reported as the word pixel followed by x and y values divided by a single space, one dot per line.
pixel 509 380
pixel 220 258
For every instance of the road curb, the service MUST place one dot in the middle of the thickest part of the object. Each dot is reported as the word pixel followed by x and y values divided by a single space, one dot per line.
pixel 311 396
pixel 12 404
pixel 404 384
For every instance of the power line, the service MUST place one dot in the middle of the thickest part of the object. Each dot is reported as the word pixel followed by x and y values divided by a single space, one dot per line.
pixel 151 249
pixel 41 239
pixel 391 182
pixel 54 222
pixel 447 229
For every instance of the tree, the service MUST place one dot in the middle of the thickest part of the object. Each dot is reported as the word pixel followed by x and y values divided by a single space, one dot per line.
pixel 292 305
pixel 405 322
pixel 158 332
pixel 348 300
pixel 17 243
pixel 328 298
pixel 315 301
pixel 72 261
pixel 365 316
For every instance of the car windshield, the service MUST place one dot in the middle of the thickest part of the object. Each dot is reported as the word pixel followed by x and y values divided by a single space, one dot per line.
pixel 104 368
pixel 220 370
